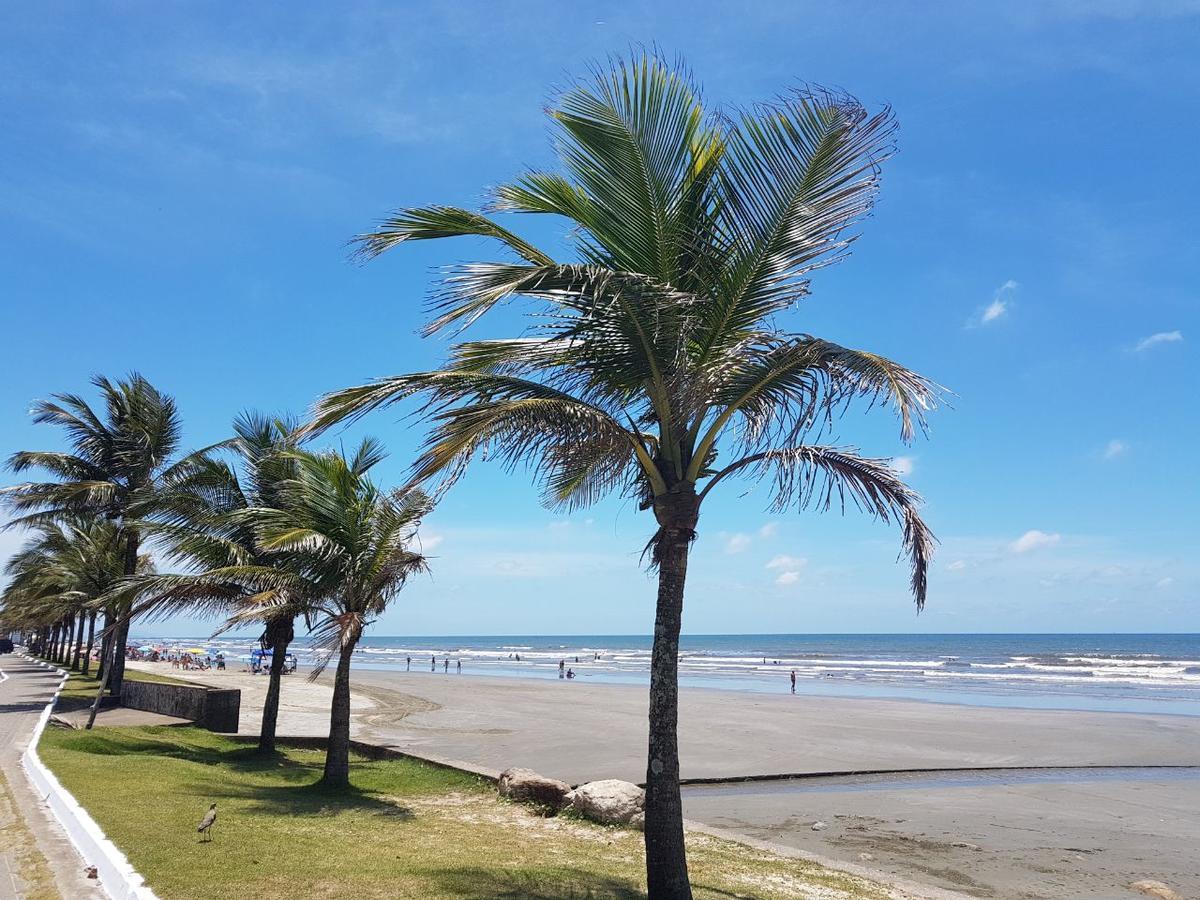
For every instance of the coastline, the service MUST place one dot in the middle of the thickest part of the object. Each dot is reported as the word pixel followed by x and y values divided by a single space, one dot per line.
pixel 1065 838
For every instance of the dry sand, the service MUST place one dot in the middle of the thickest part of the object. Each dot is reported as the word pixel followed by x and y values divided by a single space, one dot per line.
pixel 1083 838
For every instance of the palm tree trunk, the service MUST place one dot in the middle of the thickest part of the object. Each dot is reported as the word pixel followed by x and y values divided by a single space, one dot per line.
pixel 666 857
pixel 279 635
pixel 337 754
pixel 91 642
pixel 55 640
pixel 106 670
pixel 121 635
pixel 78 641
pixel 105 641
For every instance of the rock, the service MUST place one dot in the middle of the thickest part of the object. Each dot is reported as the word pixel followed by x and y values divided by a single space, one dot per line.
pixel 866 857
pixel 964 845
pixel 609 802
pixel 1156 889
pixel 90 872
pixel 819 826
pixel 527 786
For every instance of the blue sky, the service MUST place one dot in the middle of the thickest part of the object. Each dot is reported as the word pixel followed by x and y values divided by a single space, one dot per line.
pixel 178 183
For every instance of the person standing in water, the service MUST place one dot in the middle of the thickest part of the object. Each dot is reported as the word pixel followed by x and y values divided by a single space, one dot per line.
pixel 408 664
pixel 446 665
pixel 793 681
pixel 562 668
pixel 433 664
pixel 459 665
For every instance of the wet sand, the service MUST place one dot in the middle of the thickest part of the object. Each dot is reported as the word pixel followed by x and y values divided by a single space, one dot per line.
pixel 1084 838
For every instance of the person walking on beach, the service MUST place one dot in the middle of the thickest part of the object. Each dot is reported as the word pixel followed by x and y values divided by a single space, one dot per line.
pixel 562 666
pixel 793 681
pixel 408 664
pixel 433 664
pixel 446 665
pixel 458 664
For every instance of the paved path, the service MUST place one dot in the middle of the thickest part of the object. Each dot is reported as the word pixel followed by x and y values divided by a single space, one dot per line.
pixel 35 855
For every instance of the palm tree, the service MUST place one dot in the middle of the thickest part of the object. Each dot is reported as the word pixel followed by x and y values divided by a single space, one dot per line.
pixel 206 520
pixel 348 541
pixel 62 574
pixel 116 466
pixel 659 364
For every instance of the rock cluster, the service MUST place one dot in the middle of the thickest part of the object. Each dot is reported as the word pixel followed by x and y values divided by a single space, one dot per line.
pixel 609 802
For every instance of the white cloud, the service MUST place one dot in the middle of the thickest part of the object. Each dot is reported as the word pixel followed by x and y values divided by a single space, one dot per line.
pixel 786 578
pixel 957 566
pixel 736 543
pixel 769 530
pixel 998 308
pixel 1115 448
pixel 1160 337
pixel 994 310
pixel 787 562
pixel 904 464
pixel 429 541
pixel 1034 540
pixel 1164 583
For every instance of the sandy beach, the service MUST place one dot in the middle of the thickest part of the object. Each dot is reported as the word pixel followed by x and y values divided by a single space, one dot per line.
pixel 1065 834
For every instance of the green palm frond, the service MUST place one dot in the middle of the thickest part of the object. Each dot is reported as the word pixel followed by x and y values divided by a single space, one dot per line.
pixel 439 222
pixel 660 346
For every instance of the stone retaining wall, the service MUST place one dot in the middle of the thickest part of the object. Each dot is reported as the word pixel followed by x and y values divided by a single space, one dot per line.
pixel 216 709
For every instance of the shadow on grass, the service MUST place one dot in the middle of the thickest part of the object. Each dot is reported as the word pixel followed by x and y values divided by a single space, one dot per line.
pixel 559 884
pixel 226 768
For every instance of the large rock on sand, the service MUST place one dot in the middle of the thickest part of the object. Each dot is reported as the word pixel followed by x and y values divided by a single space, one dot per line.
pixel 527 786
pixel 610 802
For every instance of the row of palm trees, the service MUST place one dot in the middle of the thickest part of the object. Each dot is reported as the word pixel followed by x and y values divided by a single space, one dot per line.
pixel 260 530
pixel 657 366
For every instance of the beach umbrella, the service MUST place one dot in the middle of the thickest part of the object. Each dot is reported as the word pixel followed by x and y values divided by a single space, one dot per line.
pixel 146 648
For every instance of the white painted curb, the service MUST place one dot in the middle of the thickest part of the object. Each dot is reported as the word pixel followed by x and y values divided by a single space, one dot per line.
pixel 117 877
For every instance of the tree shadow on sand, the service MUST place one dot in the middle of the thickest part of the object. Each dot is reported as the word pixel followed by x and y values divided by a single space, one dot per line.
pixel 560 884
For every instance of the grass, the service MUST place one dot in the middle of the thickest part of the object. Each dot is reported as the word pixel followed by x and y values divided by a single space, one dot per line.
pixel 405 829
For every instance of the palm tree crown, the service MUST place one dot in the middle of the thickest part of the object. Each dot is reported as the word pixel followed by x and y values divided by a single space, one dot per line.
pixel 659 354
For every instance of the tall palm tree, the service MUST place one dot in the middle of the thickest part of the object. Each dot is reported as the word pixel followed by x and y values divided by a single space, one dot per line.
pixel 349 542
pixel 659 363
pixel 205 520
pixel 114 469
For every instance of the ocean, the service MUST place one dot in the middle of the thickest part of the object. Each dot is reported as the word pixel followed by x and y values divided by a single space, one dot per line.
pixel 1155 673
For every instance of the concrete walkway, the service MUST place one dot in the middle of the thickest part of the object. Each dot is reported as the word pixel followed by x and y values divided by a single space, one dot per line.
pixel 35 855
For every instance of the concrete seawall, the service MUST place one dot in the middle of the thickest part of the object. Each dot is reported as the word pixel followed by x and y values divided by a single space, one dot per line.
pixel 216 709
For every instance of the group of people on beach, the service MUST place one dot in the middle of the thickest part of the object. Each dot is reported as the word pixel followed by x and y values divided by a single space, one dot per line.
pixel 433 664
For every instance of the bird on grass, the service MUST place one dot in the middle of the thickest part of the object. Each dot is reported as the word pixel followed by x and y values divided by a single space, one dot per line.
pixel 206 824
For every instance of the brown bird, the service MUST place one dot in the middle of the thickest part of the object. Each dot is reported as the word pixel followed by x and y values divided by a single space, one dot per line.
pixel 206 824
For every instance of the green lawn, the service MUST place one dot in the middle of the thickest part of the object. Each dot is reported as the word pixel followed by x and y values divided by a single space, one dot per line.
pixel 407 829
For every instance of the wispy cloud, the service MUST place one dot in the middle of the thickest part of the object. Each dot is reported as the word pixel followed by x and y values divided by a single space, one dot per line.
pixel 737 543
pixel 905 465
pixel 998 308
pixel 1115 448
pixel 1158 338
pixel 1034 540
pixel 957 566
pixel 790 567
pixel 784 561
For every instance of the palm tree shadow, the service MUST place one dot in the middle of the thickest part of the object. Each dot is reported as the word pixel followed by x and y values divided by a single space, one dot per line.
pixel 302 795
pixel 560 884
